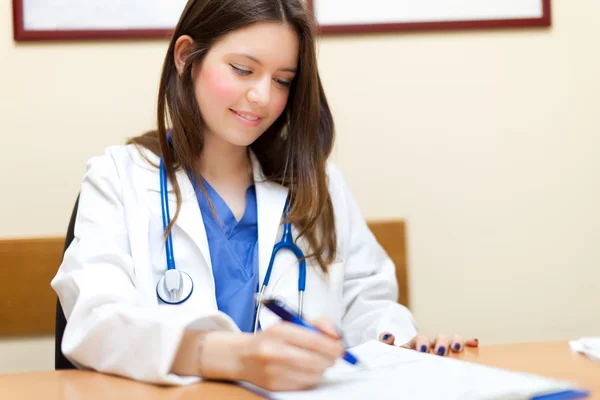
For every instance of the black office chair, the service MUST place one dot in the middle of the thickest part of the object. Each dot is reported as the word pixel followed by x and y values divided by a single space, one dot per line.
pixel 60 361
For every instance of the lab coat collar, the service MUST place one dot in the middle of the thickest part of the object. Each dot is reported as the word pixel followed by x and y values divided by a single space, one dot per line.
pixel 190 218
pixel 270 197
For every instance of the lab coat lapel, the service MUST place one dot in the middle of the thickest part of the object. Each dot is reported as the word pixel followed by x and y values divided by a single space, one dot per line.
pixel 270 197
pixel 189 219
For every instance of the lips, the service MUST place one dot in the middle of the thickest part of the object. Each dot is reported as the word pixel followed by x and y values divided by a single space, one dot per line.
pixel 247 115
pixel 247 118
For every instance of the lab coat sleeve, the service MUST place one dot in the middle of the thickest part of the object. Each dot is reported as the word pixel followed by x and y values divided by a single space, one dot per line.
pixel 111 326
pixel 370 289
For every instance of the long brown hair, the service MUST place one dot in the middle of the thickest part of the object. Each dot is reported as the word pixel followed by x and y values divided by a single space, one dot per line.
pixel 293 151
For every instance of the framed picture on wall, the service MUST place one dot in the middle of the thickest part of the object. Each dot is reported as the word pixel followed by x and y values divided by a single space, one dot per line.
pixel 360 16
pixel 94 19
pixel 36 20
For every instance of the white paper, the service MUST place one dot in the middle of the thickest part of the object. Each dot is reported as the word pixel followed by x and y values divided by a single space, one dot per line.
pixel 340 12
pixel 590 346
pixel 101 14
pixel 397 373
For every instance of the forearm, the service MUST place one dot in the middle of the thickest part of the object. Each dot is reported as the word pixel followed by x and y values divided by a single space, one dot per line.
pixel 211 355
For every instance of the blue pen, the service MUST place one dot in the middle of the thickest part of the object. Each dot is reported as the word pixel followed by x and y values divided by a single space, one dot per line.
pixel 285 314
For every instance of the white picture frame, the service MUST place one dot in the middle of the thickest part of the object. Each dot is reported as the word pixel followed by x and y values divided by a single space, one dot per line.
pixel 95 19
pixel 362 16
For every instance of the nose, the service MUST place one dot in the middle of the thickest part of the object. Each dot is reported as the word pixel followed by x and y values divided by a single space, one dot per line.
pixel 260 92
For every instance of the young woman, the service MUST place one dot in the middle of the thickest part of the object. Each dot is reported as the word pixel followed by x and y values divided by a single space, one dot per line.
pixel 175 231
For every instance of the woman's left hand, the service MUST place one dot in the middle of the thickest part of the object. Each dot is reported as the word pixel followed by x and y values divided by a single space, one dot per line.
pixel 441 345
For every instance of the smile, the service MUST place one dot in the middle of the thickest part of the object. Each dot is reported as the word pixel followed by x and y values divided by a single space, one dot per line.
pixel 247 119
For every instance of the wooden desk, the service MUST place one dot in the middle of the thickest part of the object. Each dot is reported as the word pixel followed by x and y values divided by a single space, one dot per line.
pixel 553 359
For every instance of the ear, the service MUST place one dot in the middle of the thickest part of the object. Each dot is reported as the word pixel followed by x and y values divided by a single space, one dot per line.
pixel 183 46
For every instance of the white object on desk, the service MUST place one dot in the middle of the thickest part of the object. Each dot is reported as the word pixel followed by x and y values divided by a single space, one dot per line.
pixel 590 346
pixel 397 373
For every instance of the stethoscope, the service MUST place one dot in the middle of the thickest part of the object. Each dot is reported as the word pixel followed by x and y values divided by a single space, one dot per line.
pixel 175 287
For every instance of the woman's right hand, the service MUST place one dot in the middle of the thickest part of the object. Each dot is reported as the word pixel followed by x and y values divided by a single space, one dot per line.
pixel 289 357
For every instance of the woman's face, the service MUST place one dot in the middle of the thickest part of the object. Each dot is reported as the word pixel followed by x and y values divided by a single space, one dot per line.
pixel 243 84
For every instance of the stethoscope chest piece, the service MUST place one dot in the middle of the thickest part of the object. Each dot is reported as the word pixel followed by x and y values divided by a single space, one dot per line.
pixel 174 287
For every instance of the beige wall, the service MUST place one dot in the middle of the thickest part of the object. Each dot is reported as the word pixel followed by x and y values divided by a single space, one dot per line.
pixel 486 142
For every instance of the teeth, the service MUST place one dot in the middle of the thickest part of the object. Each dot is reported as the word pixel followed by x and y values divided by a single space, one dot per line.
pixel 248 117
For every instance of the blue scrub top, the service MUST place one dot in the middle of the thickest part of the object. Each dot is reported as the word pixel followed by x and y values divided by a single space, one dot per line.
pixel 233 249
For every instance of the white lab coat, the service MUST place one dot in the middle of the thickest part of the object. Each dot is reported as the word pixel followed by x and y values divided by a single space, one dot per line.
pixel 107 280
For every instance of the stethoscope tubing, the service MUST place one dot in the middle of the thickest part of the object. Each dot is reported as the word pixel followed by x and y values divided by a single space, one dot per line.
pixel 286 242
pixel 166 217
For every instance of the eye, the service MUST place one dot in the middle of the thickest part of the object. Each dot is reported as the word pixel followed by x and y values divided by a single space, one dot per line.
pixel 283 83
pixel 240 71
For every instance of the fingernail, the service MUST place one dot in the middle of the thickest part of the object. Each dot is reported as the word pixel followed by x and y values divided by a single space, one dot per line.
pixel 441 351
pixel 387 336
pixel 457 346
pixel 423 349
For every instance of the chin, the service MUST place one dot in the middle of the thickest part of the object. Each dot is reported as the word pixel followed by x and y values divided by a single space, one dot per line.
pixel 242 138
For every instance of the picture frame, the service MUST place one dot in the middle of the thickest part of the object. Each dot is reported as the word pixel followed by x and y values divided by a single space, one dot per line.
pixel 369 16
pixel 48 20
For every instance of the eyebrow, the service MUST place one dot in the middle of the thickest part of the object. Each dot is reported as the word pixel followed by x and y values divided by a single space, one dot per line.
pixel 256 60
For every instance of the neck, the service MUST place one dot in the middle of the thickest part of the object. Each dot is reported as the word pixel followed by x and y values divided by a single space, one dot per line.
pixel 221 161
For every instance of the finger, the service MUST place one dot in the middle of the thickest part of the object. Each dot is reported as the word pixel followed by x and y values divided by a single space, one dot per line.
pixel 278 377
pixel 285 355
pixel 327 326
pixel 457 344
pixel 472 342
pixel 422 343
pixel 419 342
pixel 315 342
pixel 387 338
pixel 441 345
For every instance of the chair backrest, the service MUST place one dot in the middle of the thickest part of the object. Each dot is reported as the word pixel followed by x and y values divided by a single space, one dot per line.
pixel 391 235
pixel 60 361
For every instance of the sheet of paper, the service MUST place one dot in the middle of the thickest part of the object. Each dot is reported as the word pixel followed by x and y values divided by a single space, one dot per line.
pixel 396 373
pixel 590 346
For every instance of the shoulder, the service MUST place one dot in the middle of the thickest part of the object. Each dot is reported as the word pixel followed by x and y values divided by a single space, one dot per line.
pixel 338 190
pixel 118 170
pixel 123 157
pixel 346 209
pixel 342 200
pixel 333 172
